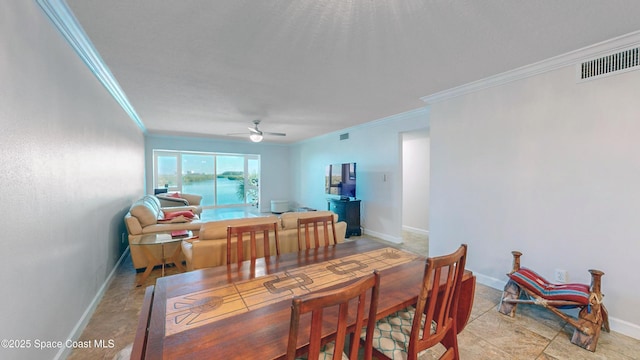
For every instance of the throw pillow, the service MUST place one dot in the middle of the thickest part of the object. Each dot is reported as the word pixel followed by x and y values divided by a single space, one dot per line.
pixel 173 214
pixel 177 219
pixel 175 195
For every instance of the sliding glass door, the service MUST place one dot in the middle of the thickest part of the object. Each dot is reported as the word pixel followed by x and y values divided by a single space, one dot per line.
pixel 198 176
pixel 221 179
pixel 229 178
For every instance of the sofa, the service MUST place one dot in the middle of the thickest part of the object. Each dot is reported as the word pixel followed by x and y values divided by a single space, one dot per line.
pixel 146 216
pixel 210 248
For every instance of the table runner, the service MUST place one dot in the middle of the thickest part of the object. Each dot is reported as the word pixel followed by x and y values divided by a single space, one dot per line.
pixel 202 307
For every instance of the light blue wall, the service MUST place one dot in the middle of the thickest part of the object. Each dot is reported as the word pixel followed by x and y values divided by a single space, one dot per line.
pixel 275 179
pixel 72 163
pixel 376 147
pixel 296 172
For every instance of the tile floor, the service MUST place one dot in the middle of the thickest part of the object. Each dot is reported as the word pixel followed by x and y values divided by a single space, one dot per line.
pixel 534 333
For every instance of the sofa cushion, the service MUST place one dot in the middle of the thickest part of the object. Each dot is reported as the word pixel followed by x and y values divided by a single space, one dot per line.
pixel 289 220
pixel 153 202
pixel 214 230
pixel 167 228
pixel 144 212
pixel 133 224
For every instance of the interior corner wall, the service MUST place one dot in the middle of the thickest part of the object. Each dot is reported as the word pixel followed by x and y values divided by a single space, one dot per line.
pixel 72 162
pixel 376 149
pixel 549 166
pixel 274 161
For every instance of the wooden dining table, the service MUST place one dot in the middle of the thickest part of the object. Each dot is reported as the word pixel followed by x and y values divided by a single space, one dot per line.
pixel 242 311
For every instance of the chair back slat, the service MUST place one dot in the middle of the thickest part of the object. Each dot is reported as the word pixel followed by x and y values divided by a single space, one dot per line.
pixel 322 306
pixel 239 231
pixel 438 301
pixel 304 225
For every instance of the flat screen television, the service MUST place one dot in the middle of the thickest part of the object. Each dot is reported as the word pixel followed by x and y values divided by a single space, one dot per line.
pixel 340 180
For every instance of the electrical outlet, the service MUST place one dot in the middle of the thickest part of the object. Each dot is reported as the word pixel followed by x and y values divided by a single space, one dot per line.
pixel 561 276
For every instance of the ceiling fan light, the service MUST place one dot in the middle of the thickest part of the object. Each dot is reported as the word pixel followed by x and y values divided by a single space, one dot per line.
pixel 255 137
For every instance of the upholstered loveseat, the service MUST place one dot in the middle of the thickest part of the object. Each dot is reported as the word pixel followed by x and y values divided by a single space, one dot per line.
pixel 210 249
pixel 146 216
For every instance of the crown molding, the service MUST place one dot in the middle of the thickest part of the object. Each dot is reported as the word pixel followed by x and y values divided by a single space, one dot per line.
pixel 64 20
pixel 391 119
pixel 407 115
pixel 568 59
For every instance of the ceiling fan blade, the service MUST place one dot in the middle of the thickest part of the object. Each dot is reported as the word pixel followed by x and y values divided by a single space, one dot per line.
pixel 274 133
pixel 236 134
pixel 255 130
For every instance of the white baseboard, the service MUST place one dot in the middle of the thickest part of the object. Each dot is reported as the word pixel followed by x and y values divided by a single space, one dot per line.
pixel 624 327
pixel 393 239
pixel 65 351
pixel 489 281
pixel 415 230
pixel 618 325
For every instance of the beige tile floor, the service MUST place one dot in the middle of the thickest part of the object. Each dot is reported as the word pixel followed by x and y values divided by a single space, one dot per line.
pixel 534 333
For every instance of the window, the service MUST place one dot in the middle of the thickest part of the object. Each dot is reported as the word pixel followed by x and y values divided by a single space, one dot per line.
pixel 221 179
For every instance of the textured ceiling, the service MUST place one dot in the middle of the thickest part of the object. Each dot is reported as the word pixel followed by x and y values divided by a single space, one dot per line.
pixel 310 67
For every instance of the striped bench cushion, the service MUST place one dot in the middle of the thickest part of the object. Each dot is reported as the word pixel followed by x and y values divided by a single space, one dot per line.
pixel 529 279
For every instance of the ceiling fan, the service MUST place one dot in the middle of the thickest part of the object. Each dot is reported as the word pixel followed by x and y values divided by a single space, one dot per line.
pixel 256 134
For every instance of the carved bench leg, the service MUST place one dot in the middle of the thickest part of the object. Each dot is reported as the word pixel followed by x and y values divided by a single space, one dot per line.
pixel 583 340
pixel 593 318
pixel 511 292
pixel 601 314
pixel 511 289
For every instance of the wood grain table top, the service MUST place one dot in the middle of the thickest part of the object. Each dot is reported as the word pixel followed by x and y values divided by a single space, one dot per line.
pixel 184 318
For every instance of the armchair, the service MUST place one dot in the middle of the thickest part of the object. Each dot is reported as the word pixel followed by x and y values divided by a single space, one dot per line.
pixel 178 199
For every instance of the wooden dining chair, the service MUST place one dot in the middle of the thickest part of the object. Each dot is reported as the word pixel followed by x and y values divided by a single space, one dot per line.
pixel 315 222
pixel 347 299
pixel 403 335
pixel 253 230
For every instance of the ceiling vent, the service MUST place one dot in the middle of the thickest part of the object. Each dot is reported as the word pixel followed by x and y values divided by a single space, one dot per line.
pixel 613 64
pixel 344 136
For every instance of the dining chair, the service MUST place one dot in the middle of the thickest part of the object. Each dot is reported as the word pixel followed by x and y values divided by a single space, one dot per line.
pixel 315 222
pixel 347 299
pixel 403 335
pixel 254 229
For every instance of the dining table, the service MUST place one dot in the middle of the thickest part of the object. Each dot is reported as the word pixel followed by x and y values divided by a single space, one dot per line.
pixel 243 310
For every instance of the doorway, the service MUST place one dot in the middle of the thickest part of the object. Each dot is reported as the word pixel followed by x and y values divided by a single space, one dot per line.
pixel 416 147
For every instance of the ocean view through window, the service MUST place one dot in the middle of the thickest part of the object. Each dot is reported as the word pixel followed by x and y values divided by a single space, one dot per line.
pixel 221 179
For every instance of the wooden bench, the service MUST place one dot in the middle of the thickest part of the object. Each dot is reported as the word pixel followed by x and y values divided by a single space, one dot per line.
pixel 538 291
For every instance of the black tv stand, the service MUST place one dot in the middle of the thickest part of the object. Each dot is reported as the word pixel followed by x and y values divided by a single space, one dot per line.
pixel 348 211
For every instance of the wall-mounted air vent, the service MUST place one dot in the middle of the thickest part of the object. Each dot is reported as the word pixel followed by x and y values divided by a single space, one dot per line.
pixel 610 64
pixel 344 136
